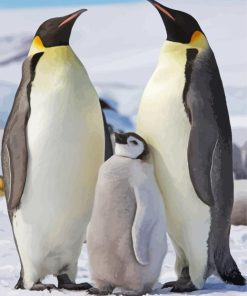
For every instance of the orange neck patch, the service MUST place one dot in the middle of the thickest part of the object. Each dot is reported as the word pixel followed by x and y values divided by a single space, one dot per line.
pixel 1 184
pixel 37 46
pixel 198 40
pixel 196 35
pixel 37 42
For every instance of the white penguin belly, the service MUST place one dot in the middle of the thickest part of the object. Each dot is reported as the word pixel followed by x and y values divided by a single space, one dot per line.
pixel 65 149
pixel 163 122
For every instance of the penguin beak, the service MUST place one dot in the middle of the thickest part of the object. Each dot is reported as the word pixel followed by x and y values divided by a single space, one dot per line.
pixel 120 138
pixel 71 17
pixel 56 31
pixel 162 9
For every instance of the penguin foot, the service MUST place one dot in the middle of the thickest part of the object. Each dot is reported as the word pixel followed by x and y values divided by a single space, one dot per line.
pixel 41 287
pixel 180 281
pixel 180 286
pixel 95 291
pixel 65 283
pixel 75 287
pixel 19 284
pixel 169 284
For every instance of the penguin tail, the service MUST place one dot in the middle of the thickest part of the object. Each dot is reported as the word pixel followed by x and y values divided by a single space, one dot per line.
pixel 227 269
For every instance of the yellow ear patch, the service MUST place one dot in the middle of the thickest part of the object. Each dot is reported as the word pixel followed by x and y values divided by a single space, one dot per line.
pixel 198 40
pixel 195 36
pixel 37 46
pixel 1 186
pixel 38 43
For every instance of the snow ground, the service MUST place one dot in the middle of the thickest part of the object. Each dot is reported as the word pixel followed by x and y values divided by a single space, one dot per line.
pixel 10 267
pixel 119 45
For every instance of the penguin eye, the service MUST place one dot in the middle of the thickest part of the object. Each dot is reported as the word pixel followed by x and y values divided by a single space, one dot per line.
pixel 134 142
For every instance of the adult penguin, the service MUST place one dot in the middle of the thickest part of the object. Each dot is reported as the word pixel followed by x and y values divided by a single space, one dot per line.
pixel 183 116
pixel 53 146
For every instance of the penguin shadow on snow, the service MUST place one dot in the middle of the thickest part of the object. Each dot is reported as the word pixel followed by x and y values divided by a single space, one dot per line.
pixel 209 288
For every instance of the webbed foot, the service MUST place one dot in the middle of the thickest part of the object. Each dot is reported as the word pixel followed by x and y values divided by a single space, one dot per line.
pixel 41 287
pixel 95 291
pixel 19 284
pixel 65 283
pixel 180 286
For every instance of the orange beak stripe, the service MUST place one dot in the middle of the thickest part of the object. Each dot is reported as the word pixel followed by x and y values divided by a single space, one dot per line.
pixel 164 10
pixel 70 18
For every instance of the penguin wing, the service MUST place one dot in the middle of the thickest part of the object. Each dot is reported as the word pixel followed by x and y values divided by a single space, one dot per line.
pixel 108 143
pixel 14 148
pixel 144 222
pixel 210 143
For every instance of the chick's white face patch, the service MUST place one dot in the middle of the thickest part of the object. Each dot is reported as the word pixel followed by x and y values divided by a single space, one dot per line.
pixel 132 149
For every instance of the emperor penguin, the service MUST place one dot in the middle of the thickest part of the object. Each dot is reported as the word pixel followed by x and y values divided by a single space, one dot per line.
pixel 183 116
pixel 53 146
pixel 126 236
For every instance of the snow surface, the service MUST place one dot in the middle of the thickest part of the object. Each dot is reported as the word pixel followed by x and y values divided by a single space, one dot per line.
pixel 10 267
pixel 119 45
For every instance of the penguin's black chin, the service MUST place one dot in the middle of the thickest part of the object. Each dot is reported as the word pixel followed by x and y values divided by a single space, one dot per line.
pixel 56 31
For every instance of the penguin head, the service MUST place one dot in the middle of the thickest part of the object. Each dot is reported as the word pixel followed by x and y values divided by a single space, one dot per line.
pixel 130 145
pixel 54 32
pixel 180 26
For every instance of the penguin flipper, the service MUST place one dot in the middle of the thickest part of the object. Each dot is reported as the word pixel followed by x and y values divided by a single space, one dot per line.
pixel 143 224
pixel 200 160
pixel 14 148
pixel 209 149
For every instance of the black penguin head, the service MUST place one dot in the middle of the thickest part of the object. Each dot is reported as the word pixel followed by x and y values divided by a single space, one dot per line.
pixel 56 31
pixel 180 26
pixel 130 145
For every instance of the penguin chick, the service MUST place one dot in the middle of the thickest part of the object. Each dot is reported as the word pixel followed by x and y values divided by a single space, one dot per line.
pixel 130 145
pixel 127 234
pixel 239 212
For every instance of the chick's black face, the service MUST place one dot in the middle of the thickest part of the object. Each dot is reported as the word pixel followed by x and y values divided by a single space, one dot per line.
pixel 134 145
pixel 56 31
pixel 121 138
pixel 180 26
